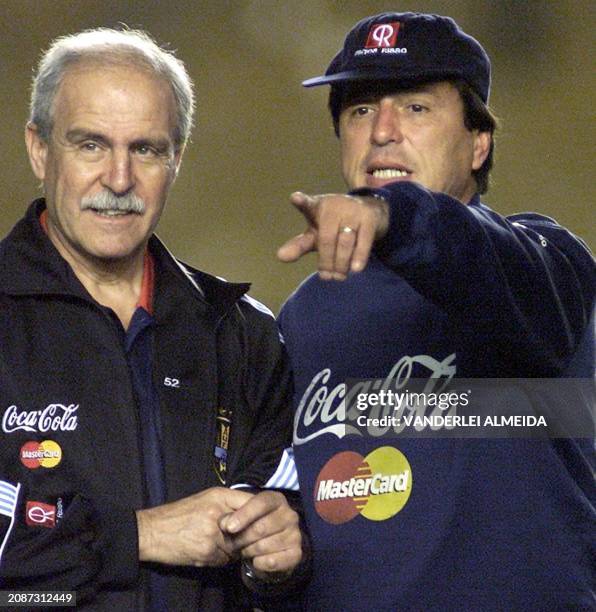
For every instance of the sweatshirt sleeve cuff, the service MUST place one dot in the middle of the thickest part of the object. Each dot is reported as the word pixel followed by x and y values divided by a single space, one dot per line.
pixel 412 213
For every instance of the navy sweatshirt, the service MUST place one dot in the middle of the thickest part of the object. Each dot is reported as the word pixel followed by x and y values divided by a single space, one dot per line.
pixel 451 292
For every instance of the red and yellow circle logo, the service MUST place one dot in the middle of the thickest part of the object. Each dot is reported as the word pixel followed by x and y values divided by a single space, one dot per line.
pixel 46 454
pixel 376 486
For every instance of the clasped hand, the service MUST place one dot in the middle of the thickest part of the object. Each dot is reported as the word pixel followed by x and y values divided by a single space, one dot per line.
pixel 218 525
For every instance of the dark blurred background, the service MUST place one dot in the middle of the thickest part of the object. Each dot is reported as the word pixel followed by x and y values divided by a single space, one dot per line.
pixel 259 135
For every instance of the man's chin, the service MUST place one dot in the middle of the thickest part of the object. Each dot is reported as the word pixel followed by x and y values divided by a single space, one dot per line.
pixel 116 256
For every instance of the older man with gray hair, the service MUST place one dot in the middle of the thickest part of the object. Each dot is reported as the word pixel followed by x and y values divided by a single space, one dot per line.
pixel 144 404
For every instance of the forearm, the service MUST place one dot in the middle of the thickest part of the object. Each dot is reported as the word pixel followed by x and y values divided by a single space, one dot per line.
pixel 497 279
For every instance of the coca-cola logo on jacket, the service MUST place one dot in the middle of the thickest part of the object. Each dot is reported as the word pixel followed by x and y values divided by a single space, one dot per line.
pixel 54 417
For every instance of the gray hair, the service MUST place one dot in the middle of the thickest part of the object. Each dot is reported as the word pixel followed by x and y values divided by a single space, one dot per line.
pixel 108 46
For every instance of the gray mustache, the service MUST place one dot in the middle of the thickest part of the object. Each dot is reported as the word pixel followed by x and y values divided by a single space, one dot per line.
pixel 105 200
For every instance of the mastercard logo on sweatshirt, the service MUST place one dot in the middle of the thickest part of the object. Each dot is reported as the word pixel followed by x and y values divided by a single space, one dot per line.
pixel 376 486
pixel 47 454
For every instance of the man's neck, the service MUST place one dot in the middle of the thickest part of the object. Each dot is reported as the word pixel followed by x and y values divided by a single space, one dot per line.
pixel 119 291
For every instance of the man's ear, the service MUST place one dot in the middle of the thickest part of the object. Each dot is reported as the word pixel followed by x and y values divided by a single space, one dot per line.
pixel 37 149
pixel 482 142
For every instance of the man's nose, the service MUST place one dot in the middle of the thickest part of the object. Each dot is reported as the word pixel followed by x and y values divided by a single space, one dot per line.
pixel 119 174
pixel 387 125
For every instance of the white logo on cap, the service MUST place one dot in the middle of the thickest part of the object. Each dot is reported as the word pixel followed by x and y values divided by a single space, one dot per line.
pixel 382 35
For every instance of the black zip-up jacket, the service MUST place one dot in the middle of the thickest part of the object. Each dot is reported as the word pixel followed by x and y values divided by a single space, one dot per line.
pixel 65 383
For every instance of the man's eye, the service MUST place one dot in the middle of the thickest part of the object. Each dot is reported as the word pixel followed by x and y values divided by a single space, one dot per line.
pixel 145 150
pixel 361 111
pixel 90 147
pixel 417 108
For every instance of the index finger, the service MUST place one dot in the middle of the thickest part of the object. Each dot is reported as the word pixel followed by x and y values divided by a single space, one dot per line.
pixel 257 507
pixel 306 205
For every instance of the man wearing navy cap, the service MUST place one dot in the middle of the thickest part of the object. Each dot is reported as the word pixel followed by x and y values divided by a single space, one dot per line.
pixel 436 288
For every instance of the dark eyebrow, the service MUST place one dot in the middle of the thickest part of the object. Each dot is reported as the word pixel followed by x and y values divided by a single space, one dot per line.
pixel 362 98
pixel 365 92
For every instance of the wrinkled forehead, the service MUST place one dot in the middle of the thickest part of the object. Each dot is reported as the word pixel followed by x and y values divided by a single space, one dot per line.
pixel 96 85
pixel 129 67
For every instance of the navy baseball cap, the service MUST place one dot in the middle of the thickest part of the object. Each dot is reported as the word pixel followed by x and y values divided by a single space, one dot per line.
pixel 409 47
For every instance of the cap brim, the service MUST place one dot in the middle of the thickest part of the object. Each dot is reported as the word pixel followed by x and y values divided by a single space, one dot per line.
pixel 378 75
pixel 332 78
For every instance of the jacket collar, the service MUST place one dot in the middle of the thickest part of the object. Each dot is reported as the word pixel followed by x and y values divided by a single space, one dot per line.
pixel 31 265
pixel 475 201
pixel 215 292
